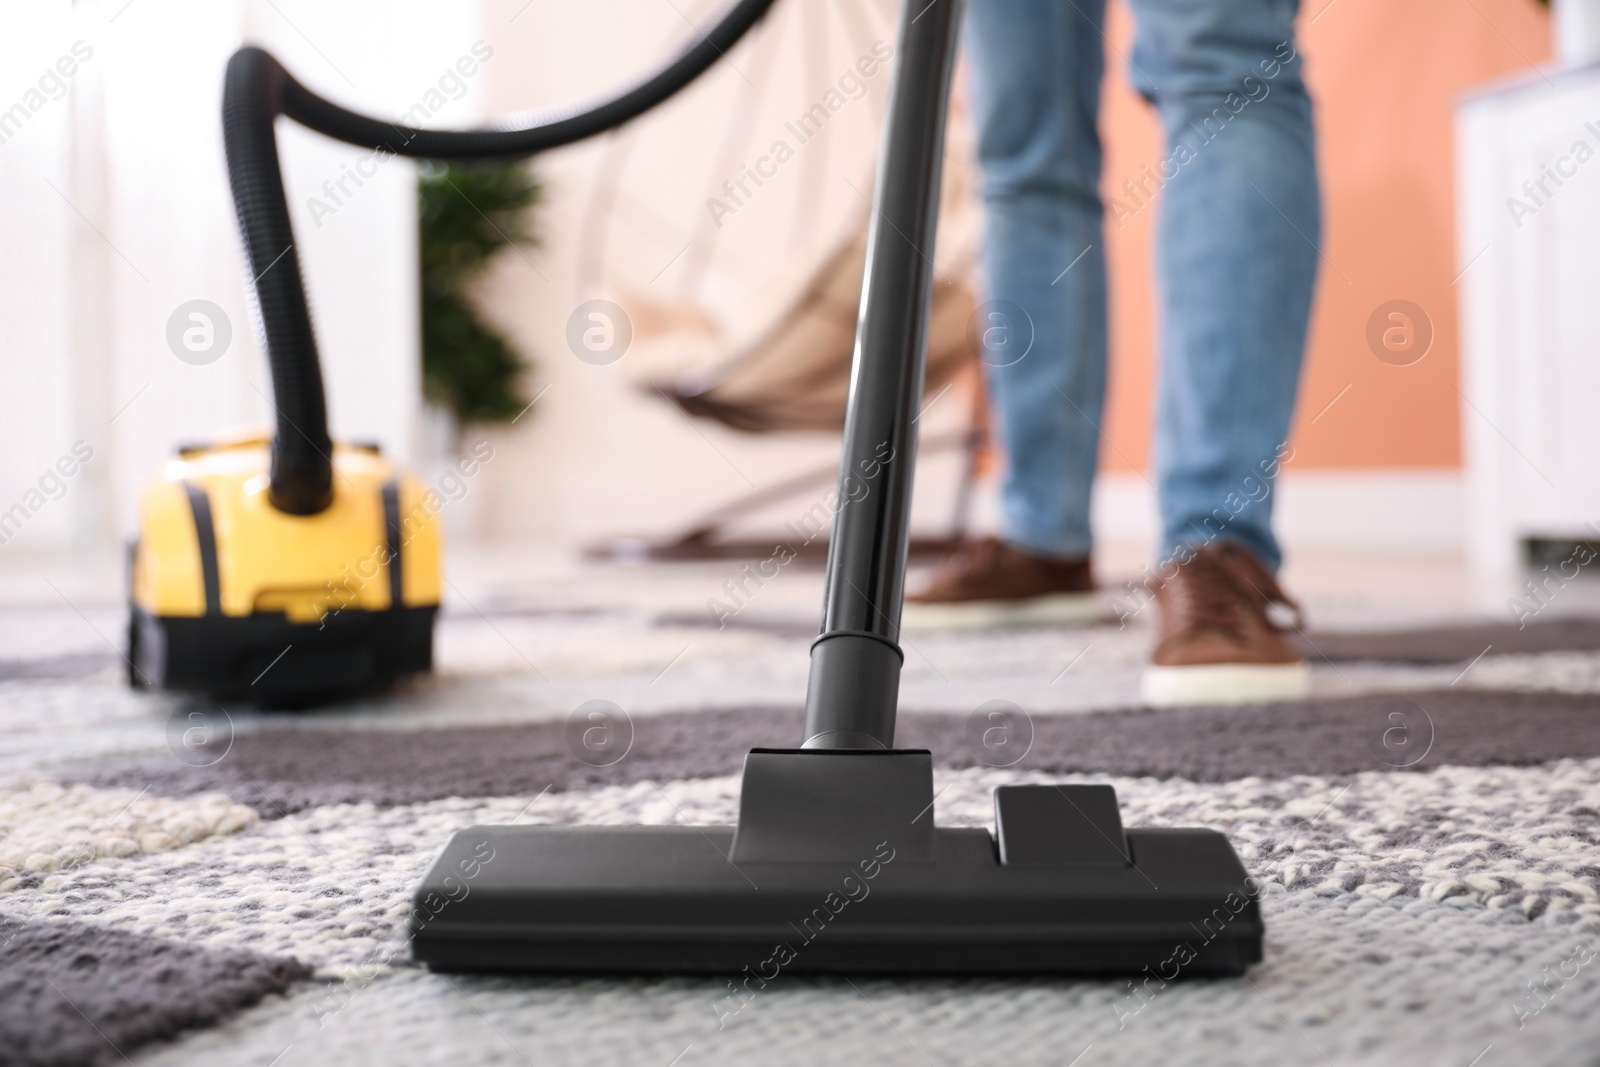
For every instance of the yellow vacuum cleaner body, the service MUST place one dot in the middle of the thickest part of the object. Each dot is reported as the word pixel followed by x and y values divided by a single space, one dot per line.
pixel 232 595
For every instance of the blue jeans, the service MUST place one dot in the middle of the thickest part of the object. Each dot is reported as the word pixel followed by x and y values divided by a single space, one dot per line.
pixel 1236 256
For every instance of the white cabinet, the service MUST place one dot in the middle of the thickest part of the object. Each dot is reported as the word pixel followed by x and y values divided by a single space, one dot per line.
pixel 1528 202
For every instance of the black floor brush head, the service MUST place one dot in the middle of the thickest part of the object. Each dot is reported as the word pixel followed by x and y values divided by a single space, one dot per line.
pixel 1062 890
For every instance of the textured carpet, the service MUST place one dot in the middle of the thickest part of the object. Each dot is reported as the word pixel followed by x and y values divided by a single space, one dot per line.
pixel 1432 900
pixel 1453 644
pixel 1418 644
pixel 281 769
pixel 77 994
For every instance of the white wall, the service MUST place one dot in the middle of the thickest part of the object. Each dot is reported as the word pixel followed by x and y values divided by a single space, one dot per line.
pixel 38 423
pixel 86 289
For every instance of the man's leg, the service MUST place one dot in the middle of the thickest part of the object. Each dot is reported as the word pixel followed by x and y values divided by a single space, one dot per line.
pixel 1036 68
pixel 1236 258
pixel 1236 263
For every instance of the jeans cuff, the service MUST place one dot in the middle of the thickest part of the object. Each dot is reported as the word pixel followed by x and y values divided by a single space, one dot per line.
pixel 1266 552
pixel 1049 546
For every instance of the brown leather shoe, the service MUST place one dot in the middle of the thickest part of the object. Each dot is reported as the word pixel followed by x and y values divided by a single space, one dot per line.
pixel 990 583
pixel 1218 642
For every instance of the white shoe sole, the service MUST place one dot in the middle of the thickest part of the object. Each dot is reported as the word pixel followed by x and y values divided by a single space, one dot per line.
pixel 1224 683
pixel 1052 609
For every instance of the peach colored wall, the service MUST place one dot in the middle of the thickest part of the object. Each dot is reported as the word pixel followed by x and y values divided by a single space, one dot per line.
pixel 1384 76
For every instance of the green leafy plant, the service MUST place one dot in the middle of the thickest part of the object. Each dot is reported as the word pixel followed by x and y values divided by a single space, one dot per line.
pixel 469 214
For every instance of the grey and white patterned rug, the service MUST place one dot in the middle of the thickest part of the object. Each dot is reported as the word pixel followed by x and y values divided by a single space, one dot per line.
pixel 1431 898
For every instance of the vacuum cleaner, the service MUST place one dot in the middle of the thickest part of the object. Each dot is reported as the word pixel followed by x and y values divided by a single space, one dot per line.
pixel 293 569
pixel 834 864
pixel 244 585
pixel 289 569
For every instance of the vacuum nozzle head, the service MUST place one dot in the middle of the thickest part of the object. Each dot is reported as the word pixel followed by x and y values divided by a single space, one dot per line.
pixel 1063 890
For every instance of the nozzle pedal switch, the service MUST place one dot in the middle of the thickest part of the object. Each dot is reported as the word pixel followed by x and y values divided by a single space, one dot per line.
pixel 1059 825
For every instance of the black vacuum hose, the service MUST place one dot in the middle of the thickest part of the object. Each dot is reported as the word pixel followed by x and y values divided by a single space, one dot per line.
pixel 302 465
pixel 256 90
